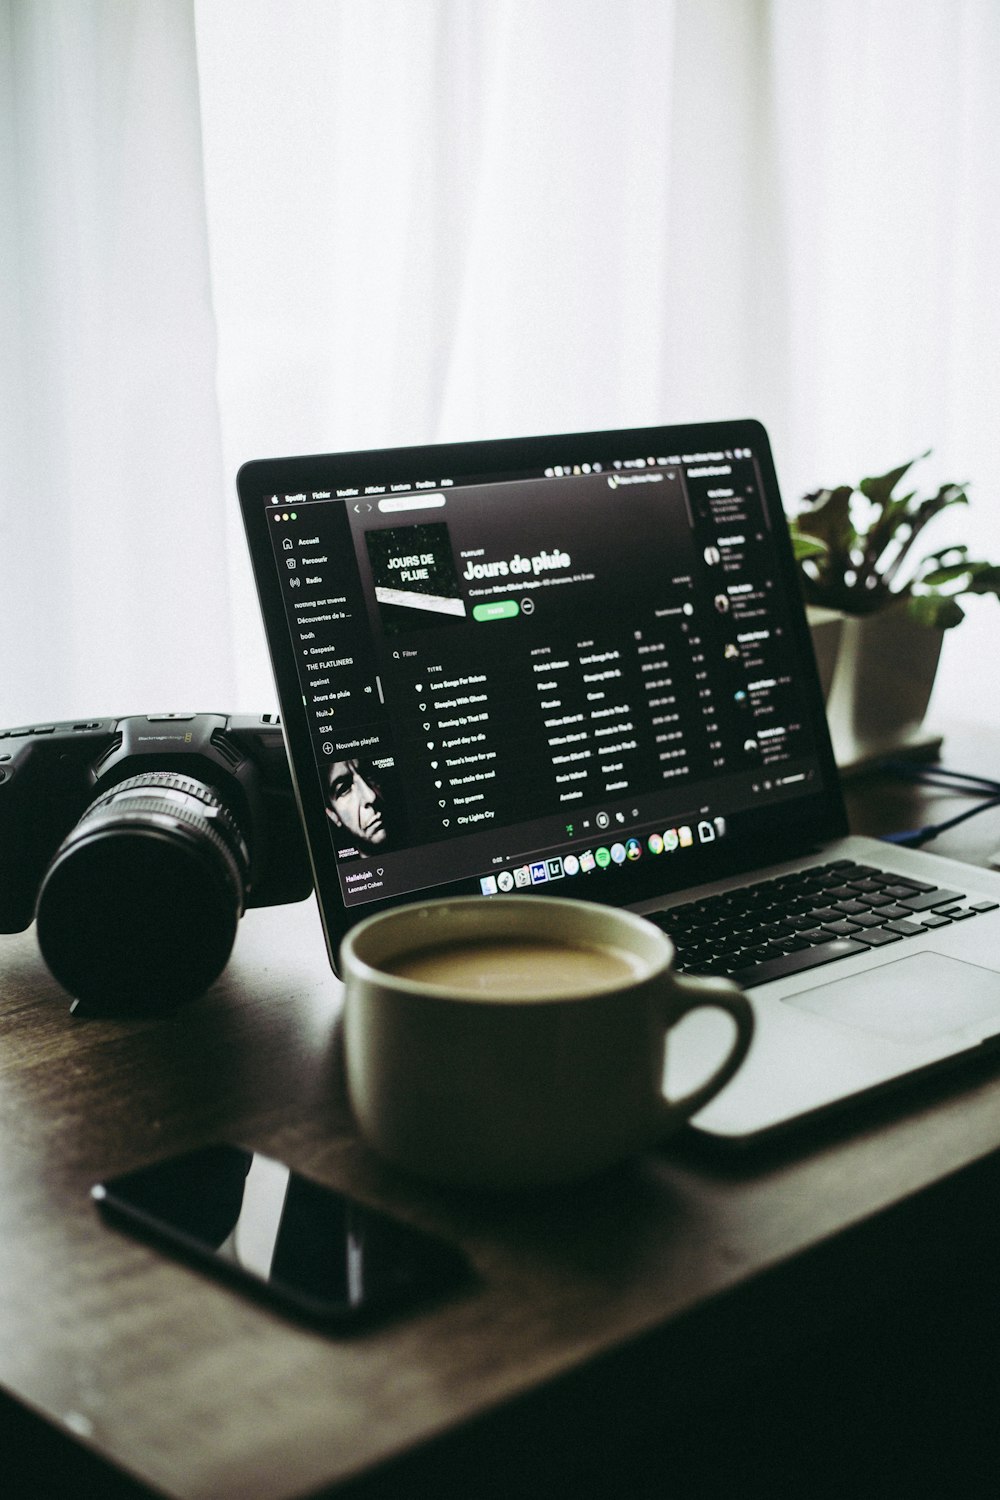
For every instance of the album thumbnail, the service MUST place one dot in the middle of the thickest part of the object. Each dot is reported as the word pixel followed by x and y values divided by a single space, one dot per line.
pixel 416 582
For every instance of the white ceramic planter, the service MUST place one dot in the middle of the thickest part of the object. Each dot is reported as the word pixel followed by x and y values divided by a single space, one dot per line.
pixel 877 673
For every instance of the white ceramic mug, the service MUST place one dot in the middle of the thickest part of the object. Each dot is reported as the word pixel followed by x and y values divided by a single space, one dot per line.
pixel 514 1041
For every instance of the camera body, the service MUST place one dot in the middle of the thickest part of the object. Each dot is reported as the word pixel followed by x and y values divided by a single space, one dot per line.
pixel 127 838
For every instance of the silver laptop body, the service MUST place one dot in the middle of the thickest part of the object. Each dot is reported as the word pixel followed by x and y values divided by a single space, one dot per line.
pixel 579 665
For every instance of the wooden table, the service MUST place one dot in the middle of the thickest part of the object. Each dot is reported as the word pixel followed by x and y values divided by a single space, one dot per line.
pixel 686 1319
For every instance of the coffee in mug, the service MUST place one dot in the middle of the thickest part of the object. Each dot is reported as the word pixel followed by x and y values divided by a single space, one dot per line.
pixel 515 968
pixel 508 1042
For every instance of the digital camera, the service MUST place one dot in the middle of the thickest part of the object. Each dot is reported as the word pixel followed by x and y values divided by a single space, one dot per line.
pixel 137 843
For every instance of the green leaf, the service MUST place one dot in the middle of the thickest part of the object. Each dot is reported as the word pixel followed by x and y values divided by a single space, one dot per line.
pixel 855 551
pixel 938 576
pixel 947 495
pixel 957 553
pixel 883 530
pixel 806 546
pixel 985 579
pixel 879 489
pixel 895 514
pixel 976 577
pixel 829 522
pixel 936 611
pixel 828 509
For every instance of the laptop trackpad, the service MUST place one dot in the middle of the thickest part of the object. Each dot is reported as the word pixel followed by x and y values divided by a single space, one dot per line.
pixel 913 1000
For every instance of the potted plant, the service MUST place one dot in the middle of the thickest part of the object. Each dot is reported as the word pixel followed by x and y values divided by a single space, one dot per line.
pixel 878 607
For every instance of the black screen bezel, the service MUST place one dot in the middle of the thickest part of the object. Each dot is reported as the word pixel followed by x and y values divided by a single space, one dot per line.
pixel 778 830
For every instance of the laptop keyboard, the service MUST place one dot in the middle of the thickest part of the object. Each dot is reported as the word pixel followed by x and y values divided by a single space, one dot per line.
pixel 799 921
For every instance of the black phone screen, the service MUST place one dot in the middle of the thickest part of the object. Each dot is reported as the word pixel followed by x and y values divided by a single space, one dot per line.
pixel 305 1246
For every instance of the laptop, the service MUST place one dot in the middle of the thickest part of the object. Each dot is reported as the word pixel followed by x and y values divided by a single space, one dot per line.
pixel 579 665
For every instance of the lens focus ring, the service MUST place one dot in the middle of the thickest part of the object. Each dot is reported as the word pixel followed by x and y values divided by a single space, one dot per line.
pixel 218 822
pixel 170 795
pixel 141 902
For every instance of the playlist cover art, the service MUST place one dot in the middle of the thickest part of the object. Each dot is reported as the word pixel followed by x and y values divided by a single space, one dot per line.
pixel 416 582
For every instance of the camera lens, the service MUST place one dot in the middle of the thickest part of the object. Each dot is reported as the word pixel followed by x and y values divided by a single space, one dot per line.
pixel 140 905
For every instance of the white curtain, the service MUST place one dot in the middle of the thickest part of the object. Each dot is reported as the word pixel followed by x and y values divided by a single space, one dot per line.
pixel 238 227
pixel 113 583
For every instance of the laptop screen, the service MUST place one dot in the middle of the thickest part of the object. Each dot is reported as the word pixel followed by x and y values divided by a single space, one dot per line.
pixel 576 665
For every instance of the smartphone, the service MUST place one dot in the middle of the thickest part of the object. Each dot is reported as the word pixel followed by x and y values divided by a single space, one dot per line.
pixel 310 1250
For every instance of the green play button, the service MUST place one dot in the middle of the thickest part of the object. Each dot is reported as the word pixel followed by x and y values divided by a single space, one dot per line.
pixel 498 609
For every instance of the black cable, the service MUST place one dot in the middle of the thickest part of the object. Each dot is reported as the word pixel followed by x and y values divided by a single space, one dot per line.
pixel 938 775
pixel 959 782
pixel 916 836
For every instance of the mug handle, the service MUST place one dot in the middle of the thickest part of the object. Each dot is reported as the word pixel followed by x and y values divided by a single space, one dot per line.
pixel 690 994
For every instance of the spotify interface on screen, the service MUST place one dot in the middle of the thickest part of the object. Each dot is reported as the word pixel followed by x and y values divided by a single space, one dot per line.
pixel 540 677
